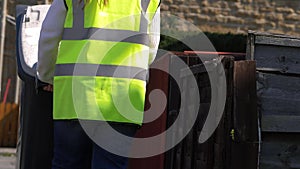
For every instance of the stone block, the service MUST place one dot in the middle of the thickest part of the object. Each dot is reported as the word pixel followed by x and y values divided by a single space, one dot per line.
pixel 243 13
pixel 260 21
pixel 258 15
pixel 211 11
pixel 284 10
pixel 174 8
pixel 271 25
pixel 183 8
pixel 205 3
pixel 293 17
pixel 164 7
pixel 267 9
pixel 248 1
pixel 195 9
pixel 287 27
pixel 236 5
pixel 215 5
pixel 167 2
pixel 221 19
pixel 204 18
pixel 274 16
pixel 235 20
pixel 178 2
pixel 263 3
pixel 180 14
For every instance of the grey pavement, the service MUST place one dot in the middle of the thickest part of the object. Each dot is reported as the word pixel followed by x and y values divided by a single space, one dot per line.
pixel 7 158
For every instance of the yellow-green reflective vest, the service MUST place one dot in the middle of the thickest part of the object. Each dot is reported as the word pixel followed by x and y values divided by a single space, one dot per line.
pixel 102 61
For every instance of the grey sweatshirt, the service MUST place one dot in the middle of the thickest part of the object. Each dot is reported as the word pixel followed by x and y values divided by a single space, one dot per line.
pixel 51 35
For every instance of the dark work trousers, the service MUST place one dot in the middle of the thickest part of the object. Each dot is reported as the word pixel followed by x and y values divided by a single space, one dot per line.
pixel 75 149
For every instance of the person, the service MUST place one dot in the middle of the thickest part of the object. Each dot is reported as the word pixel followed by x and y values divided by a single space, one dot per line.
pixel 94 55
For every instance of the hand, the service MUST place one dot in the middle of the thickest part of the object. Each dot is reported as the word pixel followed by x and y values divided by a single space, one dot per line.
pixel 48 88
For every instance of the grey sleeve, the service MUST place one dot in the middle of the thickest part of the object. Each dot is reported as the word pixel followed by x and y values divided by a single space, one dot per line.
pixel 154 32
pixel 50 36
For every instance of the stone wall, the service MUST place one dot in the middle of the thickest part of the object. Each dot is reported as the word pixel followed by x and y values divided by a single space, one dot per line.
pixel 238 16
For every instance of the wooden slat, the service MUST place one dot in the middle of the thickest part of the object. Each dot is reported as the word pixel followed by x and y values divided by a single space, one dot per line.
pixel 173 156
pixel 14 125
pixel 245 101
pixel 8 124
pixel 5 124
pixel 228 63
pixel 245 146
pixel 282 82
pixel 10 128
pixel 222 153
pixel 280 123
pixel 277 40
pixel 203 155
pixel 267 38
pixel 181 149
pixel 285 59
pixel 188 151
pixel 178 156
pixel 188 141
pixel 2 111
pixel 280 151
pixel 250 46
pixel 277 81
pixel 278 94
pixel 279 106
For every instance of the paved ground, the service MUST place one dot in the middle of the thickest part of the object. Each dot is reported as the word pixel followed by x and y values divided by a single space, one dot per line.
pixel 7 158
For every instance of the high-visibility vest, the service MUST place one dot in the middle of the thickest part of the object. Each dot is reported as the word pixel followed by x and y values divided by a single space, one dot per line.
pixel 102 61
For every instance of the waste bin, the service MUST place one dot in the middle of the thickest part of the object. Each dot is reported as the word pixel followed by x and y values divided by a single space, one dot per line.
pixel 34 147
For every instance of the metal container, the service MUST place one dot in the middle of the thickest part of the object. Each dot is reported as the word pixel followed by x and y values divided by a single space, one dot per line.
pixel 34 147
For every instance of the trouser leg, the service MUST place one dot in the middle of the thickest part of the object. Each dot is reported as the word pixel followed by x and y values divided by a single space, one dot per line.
pixel 103 159
pixel 72 147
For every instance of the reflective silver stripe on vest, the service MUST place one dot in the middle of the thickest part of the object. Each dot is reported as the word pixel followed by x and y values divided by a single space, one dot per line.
pixel 78 32
pixel 80 69
pixel 107 35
